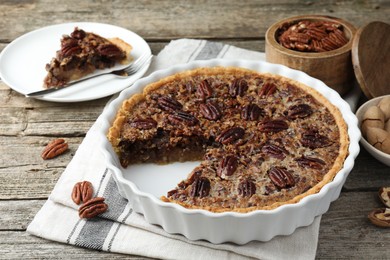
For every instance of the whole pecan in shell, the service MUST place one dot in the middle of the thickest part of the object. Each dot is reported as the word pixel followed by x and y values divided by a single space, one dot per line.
pixel 54 148
pixel 246 188
pixel 281 177
pixel 200 187
pixel 230 135
pixel 93 207
pixel 144 124
pixel 82 192
pixel 210 110
pixel 169 104
pixel 227 166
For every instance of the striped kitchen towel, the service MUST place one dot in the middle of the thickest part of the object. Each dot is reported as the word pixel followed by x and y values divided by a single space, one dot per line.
pixel 122 230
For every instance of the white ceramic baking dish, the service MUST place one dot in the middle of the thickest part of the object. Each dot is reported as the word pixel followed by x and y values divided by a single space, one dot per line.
pixel 143 184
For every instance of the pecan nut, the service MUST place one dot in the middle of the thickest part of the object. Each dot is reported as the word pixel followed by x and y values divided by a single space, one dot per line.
pixel 230 135
pixel 275 151
pixel 111 51
pixel 310 162
pixel 200 187
pixel 54 148
pixel 78 34
pixel 82 192
pixel 204 90
pixel 143 124
pixel 183 117
pixel 169 104
pixel 299 111
pixel 251 112
pixel 210 110
pixel 238 88
pixel 380 217
pixel 70 47
pixel 273 126
pixel 313 139
pixel 267 89
pixel 246 188
pixel 281 177
pixel 227 166
pixel 92 208
pixel 384 195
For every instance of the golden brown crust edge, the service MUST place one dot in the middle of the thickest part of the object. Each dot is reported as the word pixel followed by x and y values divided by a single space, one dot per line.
pixel 114 132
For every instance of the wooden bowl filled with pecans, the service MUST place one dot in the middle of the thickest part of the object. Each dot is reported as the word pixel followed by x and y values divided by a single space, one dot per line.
pixel 317 45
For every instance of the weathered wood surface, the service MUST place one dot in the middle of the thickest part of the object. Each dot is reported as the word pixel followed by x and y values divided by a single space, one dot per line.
pixel 26 125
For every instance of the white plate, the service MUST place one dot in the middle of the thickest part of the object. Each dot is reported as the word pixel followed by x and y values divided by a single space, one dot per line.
pixel 143 184
pixel 22 62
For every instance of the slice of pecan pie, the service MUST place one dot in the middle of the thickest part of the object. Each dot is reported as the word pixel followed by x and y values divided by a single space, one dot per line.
pixel 263 140
pixel 81 54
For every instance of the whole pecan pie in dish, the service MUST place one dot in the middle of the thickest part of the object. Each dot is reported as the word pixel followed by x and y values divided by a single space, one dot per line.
pixel 263 140
pixel 81 54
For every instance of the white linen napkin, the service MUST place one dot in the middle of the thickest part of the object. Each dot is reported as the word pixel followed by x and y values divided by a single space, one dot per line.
pixel 123 231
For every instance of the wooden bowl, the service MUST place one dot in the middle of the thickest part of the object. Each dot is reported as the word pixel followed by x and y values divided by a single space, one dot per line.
pixel 334 67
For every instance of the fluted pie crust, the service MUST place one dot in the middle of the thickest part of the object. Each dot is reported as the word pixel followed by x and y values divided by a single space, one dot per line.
pixel 263 140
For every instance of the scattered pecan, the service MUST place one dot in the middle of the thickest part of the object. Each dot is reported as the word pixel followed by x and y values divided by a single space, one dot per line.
pixel 272 126
pixel 169 104
pixel 92 208
pixel 310 162
pixel 251 112
pixel 238 87
pixel 299 111
pixel 144 124
pixel 384 195
pixel 200 187
pixel 210 110
pixel 82 192
pixel 204 90
pixel 227 166
pixel 54 148
pixel 183 117
pixel 230 135
pixel 267 89
pixel 275 151
pixel 313 139
pixel 246 188
pixel 111 51
pixel 380 217
pixel 281 177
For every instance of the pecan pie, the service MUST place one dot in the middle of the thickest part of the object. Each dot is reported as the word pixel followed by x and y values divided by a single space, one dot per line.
pixel 263 140
pixel 81 54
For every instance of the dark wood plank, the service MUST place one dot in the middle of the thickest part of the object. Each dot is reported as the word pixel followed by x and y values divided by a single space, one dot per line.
pixel 199 19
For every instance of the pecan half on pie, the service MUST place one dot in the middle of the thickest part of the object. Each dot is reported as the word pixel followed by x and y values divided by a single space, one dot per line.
pixel 81 54
pixel 263 140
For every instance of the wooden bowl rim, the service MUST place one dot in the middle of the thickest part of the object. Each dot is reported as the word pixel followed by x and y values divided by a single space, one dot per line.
pixel 271 32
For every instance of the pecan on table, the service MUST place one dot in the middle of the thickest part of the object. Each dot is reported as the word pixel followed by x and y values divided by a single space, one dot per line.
pixel 380 217
pixel 384 195
pixel 54 148
pixel 82 192
pixel 93 208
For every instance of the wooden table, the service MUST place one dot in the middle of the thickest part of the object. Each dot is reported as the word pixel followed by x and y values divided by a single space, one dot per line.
pixel 27 124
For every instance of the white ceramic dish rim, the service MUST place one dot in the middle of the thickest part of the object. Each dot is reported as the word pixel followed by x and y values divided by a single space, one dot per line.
pixel 332 189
